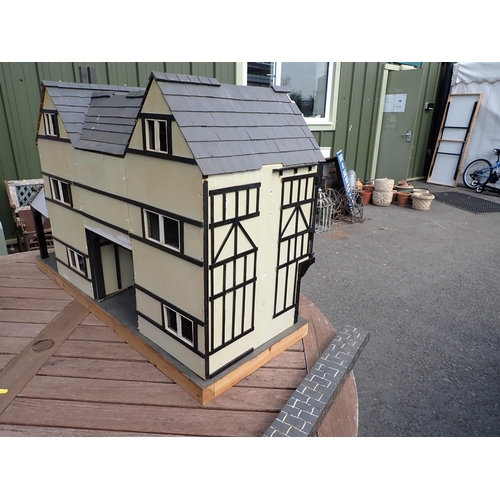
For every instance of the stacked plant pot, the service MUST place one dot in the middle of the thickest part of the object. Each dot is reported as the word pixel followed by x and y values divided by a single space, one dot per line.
pixel 382 192
pixel 366 192
pixel 404 190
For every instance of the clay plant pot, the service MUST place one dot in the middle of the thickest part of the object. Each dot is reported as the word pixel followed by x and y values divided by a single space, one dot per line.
pixel 403 198
pixel 368 187
pixel 366 195
pixel 407 189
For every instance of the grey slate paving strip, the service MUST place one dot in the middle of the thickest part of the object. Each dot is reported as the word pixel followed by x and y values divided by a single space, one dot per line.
pixel 305 410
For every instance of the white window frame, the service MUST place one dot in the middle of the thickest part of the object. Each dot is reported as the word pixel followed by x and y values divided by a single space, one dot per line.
pixel 50 124
pixel 329 122
pixel 178 319
pixel 74 261
pixel 161 219
pixel 157 141
pixel 56 186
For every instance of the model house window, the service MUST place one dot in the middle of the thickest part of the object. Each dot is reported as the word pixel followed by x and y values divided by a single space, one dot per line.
pixel 310 84
pixel 156 135
pixel 50 124
pixel 61 191
pixel 162 229
pixel 76 261
pixel 179 325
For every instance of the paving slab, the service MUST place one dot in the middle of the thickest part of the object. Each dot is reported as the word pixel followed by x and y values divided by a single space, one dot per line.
pixel 425 284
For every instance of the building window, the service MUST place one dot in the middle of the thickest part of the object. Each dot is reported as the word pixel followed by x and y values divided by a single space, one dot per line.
pixel 310 85
pixel 50 124
pixel 162 229
pixel 156 136
pixel 61 191
pixel 179 325
pixel 76 261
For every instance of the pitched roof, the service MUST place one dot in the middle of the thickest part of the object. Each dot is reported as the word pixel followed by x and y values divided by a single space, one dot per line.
pixel 229 128
pixel 233 128
pixel 97 118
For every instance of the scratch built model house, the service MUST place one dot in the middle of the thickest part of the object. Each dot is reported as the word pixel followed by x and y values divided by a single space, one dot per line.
pixel 196 197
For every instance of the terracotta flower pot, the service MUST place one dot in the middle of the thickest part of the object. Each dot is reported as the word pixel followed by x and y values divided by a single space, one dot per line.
pixel 366 195
pixel 403 198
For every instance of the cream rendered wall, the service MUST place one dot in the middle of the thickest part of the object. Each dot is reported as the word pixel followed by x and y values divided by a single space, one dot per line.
pixel 172 186
pixel 172 346
pixel 155 102
pixel 103 172
pixel 126 267
pixel 67 225
pixel 265 231
pixel 105 208
pixel 67 273
pixel 58 159
pixel 175 280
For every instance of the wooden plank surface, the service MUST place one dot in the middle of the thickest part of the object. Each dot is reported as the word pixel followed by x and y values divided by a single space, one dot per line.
pixel 16 316
pixel 8 430
pixel 15 303
pixel 10 329
pixel 131 418
pixel 96 384
pixel 322 332
pixel 5 359
pixel 24 366
pixel 149 393
pixel 32 292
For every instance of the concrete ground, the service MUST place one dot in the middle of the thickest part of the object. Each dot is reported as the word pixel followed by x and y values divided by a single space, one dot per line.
pixel 426 285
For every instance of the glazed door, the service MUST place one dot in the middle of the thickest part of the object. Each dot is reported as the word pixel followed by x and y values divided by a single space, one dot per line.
pixel 397 140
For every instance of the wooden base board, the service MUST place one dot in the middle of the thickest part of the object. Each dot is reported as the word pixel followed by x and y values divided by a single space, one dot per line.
pixel 203 393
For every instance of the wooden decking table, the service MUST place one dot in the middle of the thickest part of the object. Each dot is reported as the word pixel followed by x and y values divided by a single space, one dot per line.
pixel 67 374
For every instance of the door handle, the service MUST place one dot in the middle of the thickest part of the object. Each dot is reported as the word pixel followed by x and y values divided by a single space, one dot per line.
pixel 408 135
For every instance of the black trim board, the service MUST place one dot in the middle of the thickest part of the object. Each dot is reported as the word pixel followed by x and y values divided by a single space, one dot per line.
pixel 158 246
pixel 151 294
pixel 163 156
pixel 83 254
pixel 171 335
pixel 86 278
pixel 52 138
pixel 136 203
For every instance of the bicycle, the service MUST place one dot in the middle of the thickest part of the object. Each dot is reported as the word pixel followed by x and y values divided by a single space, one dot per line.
pixel 481 172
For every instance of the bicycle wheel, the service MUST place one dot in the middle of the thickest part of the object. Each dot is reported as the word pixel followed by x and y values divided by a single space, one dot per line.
pixel 476 173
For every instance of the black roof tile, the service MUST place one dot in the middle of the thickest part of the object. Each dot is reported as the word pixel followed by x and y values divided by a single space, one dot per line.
pixel 228 128
pixel 254 126
pixel 75 105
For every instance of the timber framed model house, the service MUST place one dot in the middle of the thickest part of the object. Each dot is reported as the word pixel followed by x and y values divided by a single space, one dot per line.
pixel 198 196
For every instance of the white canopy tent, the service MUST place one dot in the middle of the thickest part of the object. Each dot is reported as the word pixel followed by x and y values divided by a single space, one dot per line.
pixel 481 78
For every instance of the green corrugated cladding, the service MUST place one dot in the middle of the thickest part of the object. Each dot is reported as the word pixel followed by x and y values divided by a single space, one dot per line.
pixel 357 113
pixel 20 94
pixel 358 105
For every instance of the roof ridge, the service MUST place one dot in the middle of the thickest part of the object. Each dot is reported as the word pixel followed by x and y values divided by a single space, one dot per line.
pixel 91 86
pixel 179 78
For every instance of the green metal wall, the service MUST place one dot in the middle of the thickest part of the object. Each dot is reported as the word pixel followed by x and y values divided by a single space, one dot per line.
pixel 20 94
pixel 358 105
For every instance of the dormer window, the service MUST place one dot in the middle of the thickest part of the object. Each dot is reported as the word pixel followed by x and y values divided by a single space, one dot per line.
pixel 156 136
pixel 50 123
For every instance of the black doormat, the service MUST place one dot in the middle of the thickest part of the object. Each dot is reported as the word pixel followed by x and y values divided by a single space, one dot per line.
pixel 466 202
